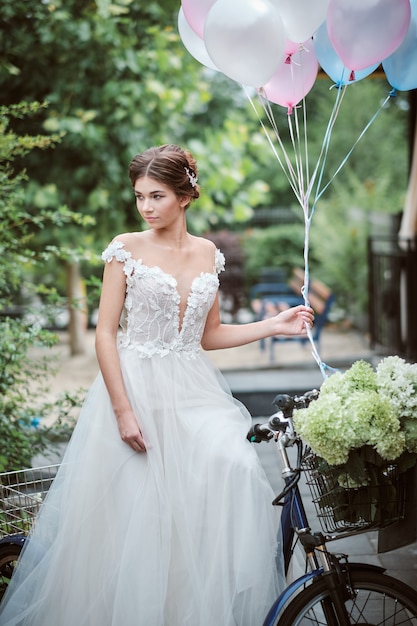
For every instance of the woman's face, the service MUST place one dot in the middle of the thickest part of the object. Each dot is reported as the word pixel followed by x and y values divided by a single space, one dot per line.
pixel 157 204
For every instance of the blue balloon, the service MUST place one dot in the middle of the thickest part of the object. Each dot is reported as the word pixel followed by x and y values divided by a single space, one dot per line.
pixel 331 62
pixel 401 66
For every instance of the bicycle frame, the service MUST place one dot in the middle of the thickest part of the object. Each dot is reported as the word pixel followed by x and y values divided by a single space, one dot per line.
pixel 17 540
pixel 294 519
pixel 287 594
pixel 293 516
pixel 297 584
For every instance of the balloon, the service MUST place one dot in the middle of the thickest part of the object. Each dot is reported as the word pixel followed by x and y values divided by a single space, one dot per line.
pixel 294 78
pixel 193 43
pixel 291 47
pixel 331 62
pixel 195 12
pixel 245 40
pixel 364 32
pixel 401 66
pixel 301 17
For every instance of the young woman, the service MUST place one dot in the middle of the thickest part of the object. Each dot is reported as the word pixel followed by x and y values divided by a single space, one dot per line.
pixel 161 513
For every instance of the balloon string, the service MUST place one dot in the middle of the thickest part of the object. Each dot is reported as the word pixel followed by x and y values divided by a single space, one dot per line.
pixel 324 368
pixel 295 141
pixel 306 159
pixel 373 118
pixel 296 180
pixel 295 137
pixel 297 177
pixel 288 173
pixel 291 171
pixel 322 159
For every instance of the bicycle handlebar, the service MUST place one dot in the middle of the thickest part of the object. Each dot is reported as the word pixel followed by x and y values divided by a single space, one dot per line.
pixel 287 403
pixel 280 427
pixel 278 422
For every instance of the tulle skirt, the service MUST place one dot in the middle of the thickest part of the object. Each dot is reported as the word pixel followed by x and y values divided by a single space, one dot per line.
pixel 184 535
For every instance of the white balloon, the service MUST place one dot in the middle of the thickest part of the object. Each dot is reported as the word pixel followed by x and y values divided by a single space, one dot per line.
pixel 193 43
pixel 245 39
pixel 195 12
pixel 301 18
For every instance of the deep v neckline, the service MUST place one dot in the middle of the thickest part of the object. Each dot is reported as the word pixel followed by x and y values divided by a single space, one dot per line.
pixel 181 318
pixel 156 318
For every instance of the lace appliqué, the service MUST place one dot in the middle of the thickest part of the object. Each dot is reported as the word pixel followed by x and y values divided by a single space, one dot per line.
pixel 219 261
pixel 115 250
pixel 152 307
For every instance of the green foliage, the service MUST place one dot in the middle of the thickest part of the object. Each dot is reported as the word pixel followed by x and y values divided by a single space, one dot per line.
pixel 363 407
pixel 378 163
pixel 339 236
pixel 277 246
pixel 22 386
pixel 340 229
pixel 372 181
pixel 22 396
pixel 118 79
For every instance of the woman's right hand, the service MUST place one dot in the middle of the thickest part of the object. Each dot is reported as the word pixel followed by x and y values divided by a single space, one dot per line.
pixel 130 432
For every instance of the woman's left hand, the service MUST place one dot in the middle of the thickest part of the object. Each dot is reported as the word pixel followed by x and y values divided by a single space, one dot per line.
pixel 295 320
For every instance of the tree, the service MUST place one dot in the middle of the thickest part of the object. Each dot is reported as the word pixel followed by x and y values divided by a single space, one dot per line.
pixel 117 79
pixel 20 407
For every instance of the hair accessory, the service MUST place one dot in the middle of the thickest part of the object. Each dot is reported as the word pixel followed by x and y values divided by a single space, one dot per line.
pixel 192 177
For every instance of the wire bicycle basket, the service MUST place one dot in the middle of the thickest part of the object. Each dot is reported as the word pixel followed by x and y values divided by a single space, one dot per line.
pixel 343 505
pixel 21 495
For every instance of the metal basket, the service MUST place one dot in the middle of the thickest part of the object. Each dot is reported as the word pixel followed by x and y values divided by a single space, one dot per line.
pixel 343 507
pixel 21 495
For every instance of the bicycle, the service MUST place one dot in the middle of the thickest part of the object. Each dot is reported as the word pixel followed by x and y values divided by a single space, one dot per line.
pixel 332 591
pixel 21 495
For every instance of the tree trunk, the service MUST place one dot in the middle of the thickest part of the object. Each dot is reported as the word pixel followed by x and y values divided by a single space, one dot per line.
pixel 77 307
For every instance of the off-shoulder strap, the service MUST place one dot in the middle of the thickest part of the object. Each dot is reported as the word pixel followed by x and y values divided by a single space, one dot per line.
pixel 219 261
pixel 115 250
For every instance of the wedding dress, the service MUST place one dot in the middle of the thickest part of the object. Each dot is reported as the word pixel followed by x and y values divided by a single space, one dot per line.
pixel 182 535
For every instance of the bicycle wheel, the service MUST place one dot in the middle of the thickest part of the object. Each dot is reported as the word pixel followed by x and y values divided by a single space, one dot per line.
pixel 379 600
pixel 8 557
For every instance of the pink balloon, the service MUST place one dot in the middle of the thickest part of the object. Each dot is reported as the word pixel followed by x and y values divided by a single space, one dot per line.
pixel 331 63
pixel 294 78
pixel 245 40
pixel 364 32
pixel 291 47
pixel 196 12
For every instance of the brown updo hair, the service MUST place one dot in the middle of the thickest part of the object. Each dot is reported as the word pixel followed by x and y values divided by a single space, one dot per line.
pixel 169 164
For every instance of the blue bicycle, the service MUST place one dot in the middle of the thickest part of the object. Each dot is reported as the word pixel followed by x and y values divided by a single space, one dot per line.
pixel 333 591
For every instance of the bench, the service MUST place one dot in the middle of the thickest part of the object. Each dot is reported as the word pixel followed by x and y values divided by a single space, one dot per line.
pixel 289 294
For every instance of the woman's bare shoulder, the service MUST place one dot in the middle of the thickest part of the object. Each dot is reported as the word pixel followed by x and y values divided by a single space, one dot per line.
pixel 207 253
pixel 204 245
pixel 129 238
pixel 131 242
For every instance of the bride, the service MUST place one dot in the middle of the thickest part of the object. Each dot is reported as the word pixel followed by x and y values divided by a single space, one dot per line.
pixel 160 514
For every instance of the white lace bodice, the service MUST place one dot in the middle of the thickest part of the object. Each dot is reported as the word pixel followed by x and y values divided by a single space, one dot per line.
pixel 151 322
